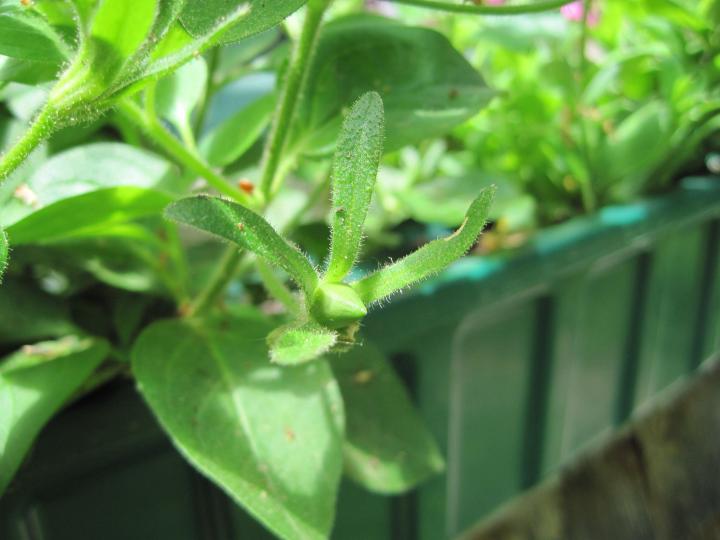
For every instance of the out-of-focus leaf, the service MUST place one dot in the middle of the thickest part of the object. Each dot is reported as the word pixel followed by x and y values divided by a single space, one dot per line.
pixel 27 314
pixel 270 436
pixel 87 214
pixel 179 93
pixel 25 34
pixel 427 87
pixel 387 447
pixel 236 135
pixel 35 383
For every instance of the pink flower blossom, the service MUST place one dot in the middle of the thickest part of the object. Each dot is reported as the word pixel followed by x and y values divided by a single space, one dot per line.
pixel 494 2
pixel 574 11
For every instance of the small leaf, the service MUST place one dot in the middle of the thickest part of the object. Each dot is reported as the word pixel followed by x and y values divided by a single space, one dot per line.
pixel 429 259
pixel 231 139
pixel 296 343
pixel 87 214
pixel 355 167
pixel 387 447
pixel 35 383
pixel 179 93
pixel 271 437
pixel 244 227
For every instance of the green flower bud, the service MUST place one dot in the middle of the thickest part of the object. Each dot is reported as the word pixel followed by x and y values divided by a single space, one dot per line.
pixel 336 305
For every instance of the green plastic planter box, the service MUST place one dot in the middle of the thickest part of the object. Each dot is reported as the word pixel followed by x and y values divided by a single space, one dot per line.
pixel 516 361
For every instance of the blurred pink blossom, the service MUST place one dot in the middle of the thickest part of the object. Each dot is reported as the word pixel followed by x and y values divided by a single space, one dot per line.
pixel 494 2
pixel 574 12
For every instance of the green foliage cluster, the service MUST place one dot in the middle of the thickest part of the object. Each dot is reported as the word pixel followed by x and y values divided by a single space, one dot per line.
pixel 121 123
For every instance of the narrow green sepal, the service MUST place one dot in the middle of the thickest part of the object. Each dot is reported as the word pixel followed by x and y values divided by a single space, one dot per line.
pixel 296 343
pixel 354 171
pixel 336 305
pixel 429 259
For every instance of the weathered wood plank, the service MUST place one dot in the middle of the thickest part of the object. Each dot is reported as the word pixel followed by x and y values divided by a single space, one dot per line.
pixel 657 479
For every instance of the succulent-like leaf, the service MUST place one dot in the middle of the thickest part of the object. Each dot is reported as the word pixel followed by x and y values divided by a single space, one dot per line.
pixel 247 229
pixel 34 383
pixel 354 171
pixel 270 436
pixel 387 447
pixel 429 259
pixel 296 343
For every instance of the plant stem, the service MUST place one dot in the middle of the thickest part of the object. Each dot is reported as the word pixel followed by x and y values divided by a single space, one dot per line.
pixel 223 274
pixel 40 129
pixel 179 152
pixel 535 7
pixel 292 93
pixel 269 183
pixel 276 287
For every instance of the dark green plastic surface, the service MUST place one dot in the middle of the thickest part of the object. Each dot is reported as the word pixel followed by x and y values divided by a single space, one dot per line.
pixel 516 361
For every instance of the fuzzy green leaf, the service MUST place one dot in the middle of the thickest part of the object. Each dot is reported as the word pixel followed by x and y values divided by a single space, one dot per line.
pixel 355 167
pixel 271 437
pixel 4 251
pixel 296 343
pixel 429 259
pixel 387 447
pixel 244 227
pixel 34 383
pixel 200 17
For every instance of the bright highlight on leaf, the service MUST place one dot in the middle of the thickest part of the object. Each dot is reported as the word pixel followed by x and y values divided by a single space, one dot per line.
pixel 429 259
pixel 244 227
pixel 355 167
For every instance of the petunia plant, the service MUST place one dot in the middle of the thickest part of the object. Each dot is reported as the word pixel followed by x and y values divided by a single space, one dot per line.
pixel 115 128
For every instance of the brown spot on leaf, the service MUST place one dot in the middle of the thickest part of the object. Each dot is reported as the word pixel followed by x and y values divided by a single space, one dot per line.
pixel 363 376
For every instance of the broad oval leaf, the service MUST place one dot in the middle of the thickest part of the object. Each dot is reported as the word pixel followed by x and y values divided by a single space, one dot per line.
pixel 387 447
pixel 85 169
pixel 88 214
pixel 429 259
pixel 34 383
pixel 271 437
pixel 354 171
pixel 27 35
pixel 247 229
pixel 426 85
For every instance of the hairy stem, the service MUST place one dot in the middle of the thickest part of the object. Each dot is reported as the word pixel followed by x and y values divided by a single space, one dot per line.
pixel 155 130
pixel 40 129
pixel 291 94
pixel 220 279
pixel 535 7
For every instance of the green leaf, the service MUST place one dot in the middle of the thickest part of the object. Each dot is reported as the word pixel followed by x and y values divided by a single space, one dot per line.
pixel 25 34
pixel 231 139
pixel 387 447
pixel 271 437
pixel 27 72
pixel 35 383
pixel 426 85
pixel 179 93
pixel 355 168
pixel 42 316
pixel 429 259
pixel 4 252
pixel 88 168
pixel 244 227
pixel 300 342
pixel 88 214
pixel 201 17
